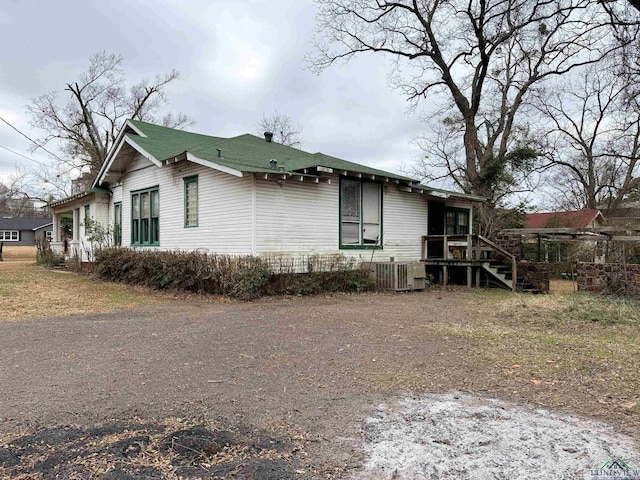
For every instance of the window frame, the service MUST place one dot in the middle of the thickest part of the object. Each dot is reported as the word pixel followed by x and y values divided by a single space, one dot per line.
pixel 362 245
pixel 190 180
pixel 456 226
pixel 9 238
pixel 87 215
pixel 137 238
pixel 117 223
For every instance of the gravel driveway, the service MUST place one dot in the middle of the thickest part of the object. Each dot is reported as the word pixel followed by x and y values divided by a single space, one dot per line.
pixel 311 363
pixel 313 367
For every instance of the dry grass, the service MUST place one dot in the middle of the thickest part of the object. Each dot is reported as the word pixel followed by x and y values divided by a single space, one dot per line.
pixel 29 291
pixel 19 253
pixel 562 286
pixel 569 339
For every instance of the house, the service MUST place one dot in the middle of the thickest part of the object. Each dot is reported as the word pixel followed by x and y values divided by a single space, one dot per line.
pixel 562 237
pixel 169 189
pixel 23 231
pixel 567 219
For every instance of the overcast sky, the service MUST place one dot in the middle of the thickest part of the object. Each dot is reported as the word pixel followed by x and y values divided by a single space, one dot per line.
pixel 237 61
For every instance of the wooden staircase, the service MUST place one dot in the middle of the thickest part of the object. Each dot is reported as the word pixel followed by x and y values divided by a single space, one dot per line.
pixel 492 265
pixel 502 266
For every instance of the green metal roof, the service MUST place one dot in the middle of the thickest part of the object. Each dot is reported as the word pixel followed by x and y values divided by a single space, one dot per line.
pixel 245 153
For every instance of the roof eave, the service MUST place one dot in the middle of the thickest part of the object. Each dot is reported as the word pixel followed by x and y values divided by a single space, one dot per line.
pixel 77 196
pixel 42 226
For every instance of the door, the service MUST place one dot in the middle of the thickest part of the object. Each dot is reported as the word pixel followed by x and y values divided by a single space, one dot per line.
pixel 435 226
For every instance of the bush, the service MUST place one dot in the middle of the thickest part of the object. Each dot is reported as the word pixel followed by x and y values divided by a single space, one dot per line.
pixel 356 280
pixel 243 277
pixel 49 259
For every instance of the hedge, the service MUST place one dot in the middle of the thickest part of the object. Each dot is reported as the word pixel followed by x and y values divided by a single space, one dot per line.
pixel 243 277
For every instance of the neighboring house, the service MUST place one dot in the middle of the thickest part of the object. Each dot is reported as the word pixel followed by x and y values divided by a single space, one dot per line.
pixel 565 236
pixel 161 188
pixel 627 214
pixel 568 219
pixel 23 231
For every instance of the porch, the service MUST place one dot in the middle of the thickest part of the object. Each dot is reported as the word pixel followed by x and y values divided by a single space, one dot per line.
pixel 70 217
pixel 476 255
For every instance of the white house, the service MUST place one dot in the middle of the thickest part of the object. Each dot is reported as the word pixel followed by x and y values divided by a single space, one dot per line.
pixel 169 189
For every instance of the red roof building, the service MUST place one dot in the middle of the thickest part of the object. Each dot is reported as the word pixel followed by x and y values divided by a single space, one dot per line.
pixel 571 219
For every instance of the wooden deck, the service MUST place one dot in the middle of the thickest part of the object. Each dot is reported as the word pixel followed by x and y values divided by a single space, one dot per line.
pixel 473 252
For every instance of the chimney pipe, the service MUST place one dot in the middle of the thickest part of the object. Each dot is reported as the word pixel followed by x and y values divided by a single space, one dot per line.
pixel 219 152
pixel 268 136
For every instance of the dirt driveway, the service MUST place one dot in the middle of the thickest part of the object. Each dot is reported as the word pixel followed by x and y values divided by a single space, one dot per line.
pixel 309 368
pixel 317 365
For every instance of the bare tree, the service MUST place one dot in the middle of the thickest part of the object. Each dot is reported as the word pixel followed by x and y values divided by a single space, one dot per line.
pixel 283 129
pixel 97 106
pixel 481 59
pixel 594 139
pixel 25 192
pixel 15 196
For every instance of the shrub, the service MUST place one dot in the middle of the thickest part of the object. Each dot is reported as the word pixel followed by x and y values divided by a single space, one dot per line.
pixel 356 280
pixel 49 259
pixel 243 277
pixel 45 256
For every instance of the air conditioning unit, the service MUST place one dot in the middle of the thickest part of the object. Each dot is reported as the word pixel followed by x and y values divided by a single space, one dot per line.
pixel 399 276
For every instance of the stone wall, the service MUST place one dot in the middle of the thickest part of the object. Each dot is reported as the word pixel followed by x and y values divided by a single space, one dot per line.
pixel 535 273
pixel 609 278
pixel 510 243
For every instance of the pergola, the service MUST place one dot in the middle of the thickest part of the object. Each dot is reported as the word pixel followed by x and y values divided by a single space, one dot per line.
pixel 609 234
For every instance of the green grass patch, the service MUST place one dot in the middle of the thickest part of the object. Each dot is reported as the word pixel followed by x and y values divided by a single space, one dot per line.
pixel 599 308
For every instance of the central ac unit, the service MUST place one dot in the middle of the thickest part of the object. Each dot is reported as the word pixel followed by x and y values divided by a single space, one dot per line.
pixel 399 276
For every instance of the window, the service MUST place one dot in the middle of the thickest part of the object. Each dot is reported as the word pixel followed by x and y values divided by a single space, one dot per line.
pixel 87 219
pixel 117 223
pixel 191 201
pixel 145 217
pixel 9 235
pixel 457 221
pixel 48 234
pixel 360 213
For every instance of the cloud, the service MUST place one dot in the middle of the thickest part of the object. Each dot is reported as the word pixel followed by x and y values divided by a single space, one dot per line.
pixel 238 61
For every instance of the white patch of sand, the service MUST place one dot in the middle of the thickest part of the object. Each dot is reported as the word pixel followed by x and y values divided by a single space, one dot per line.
pixel 465 437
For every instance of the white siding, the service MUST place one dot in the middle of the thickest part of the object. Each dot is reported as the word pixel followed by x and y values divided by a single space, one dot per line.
pixel 116 196
pixel 99 213
pixel 296 217
pixel 302 218
pixel 224 212
pixel 405 222
pixel 251 215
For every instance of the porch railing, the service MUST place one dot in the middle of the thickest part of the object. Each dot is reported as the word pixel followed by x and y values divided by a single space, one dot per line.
pixel 447 247
pixel 466 248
